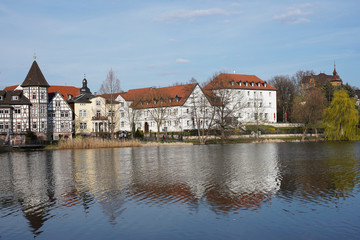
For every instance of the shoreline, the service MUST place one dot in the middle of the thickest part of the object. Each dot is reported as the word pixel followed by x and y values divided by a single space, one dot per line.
pixel 86 144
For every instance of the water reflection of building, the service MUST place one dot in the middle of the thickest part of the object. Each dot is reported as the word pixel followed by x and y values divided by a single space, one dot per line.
pixel 36 181
pixel 241 180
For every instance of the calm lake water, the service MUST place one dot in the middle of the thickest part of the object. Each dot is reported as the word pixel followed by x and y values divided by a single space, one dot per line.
pixel 237 191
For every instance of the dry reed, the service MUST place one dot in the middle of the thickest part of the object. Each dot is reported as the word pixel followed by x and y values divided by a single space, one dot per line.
pixel 86 143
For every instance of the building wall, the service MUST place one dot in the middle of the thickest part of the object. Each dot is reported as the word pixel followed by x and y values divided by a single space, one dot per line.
pixel 60 118
pixel 38 97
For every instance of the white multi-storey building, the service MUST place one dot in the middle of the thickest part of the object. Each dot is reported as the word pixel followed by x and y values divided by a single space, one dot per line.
pixel 248 97
pixel 175 108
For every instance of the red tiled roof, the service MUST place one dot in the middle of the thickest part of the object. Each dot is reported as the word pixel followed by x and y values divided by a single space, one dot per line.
pixel 159 97
pixel 65 91
pixel 238 81
pixel 10 88
pixel 134 94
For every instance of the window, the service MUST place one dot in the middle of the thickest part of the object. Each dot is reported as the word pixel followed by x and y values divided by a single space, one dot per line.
pixel 42 124
pixel 62 114
pixel 14 98
pixel 261 94
pixel 42 96
pixel 252 84
pixel 188 122
pixel 98 103
pixel 248 93
pixel 98 113
pixel 122 124
pixel 261 116
pixel 239 83
pixel 69 96
pixel 34 96
pixel 57 103
pixel 248 104
pixel 122 114
pixel 83 126
pixel 1 126
pixel 18 126
pixel 266 116
pixel 34 125
pixel 269 104
pixel 1 97
pixel 260 104
pixel 6 126
pixel 66 114
pixel 62 126
pixel 17 111
pixel 269 94
pixel 121 104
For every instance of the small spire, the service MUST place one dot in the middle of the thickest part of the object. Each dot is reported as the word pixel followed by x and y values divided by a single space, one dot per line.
pixel 34 56
pixel 334 72
pixel 84 75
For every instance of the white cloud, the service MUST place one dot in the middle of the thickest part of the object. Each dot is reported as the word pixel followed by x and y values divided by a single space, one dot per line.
pixel 182 60
pixel 190 14
pixel 295 15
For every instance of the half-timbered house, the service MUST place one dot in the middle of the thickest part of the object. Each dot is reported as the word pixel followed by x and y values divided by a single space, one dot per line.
pixel 14 116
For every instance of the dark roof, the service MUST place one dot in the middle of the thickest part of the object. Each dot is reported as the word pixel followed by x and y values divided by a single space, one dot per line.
pixel 7 98
pixel 83 98
pixel 35 77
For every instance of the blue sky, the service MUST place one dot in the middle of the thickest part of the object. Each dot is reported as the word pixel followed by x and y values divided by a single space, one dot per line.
pixel 159 43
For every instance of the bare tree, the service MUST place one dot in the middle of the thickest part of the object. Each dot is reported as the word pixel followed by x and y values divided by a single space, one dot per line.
pixel 286 90
pixel 308 108
pixel 203 112
pixel 298 76
pixel 158 112
pixel 110 89
pixel 228 104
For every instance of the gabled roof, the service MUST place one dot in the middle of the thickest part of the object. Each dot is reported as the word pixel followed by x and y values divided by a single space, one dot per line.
pixel 7 98
pixel 65 91
pixel 11 88
pixel 238 81
pixel 159 97
pixel 35 77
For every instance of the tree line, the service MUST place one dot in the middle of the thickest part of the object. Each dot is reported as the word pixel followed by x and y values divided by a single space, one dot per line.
pixel 330 107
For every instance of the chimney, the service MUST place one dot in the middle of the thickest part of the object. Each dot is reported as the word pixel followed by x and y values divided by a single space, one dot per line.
pixel 95 93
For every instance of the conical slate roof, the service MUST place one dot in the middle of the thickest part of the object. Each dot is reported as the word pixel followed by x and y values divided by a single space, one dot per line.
pixel 35 77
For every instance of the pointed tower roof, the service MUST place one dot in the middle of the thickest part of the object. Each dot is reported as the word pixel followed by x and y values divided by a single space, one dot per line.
pixel 35 77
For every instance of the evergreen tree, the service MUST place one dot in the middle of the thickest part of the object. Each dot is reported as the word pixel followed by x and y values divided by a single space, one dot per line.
pixel 341 117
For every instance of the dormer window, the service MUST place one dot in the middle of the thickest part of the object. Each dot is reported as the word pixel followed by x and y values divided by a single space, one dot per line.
pixel 232 83
pixel 258 84
pixel 264 84
pixel 239 83
pixel 1 97
pixel 170 100
pixel 155 101
pixel 15 98
pixel 252 84
pixel 177 98
pixel 69 96
pixel 246 84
